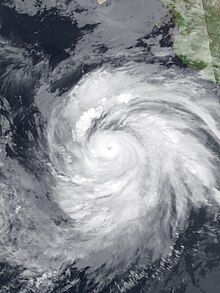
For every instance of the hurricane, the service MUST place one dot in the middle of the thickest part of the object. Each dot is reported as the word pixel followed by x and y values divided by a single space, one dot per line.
pixel 132 154
pixel 129 152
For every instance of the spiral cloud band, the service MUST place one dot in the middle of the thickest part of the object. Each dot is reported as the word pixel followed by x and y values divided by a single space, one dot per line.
pixel 132 154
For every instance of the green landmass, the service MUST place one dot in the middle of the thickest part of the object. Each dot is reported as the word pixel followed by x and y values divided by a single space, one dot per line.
pixel 197 43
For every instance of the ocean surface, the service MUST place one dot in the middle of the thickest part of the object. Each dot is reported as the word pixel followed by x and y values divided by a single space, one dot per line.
pixel 109 152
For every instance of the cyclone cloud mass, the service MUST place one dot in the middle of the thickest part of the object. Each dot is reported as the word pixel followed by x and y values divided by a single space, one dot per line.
pixel 131 157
